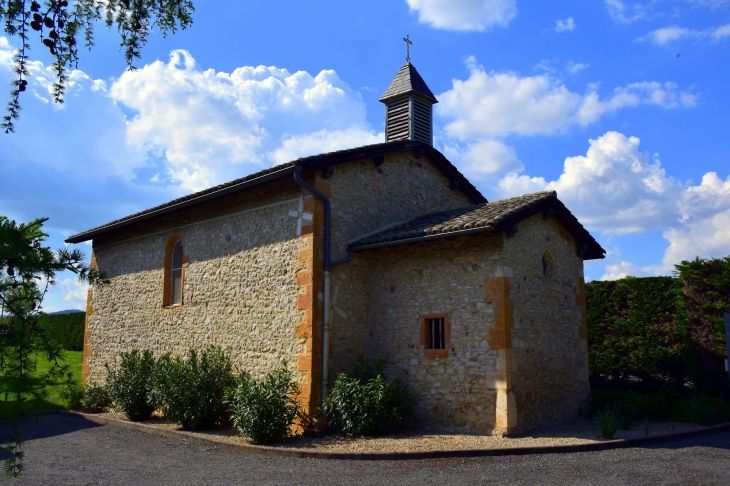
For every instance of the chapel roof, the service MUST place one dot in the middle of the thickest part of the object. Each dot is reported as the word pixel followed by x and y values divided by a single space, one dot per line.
pixel 407 80
pixel 492 216
pixel 287 169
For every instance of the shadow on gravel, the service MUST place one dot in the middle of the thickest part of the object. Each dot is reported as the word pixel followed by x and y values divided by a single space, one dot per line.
pixel 49 425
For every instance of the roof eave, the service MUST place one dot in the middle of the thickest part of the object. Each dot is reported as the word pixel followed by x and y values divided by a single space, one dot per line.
pixel 593 251
pixel 88 235
pixel 431 99
pixel 419 239
pixel 320 161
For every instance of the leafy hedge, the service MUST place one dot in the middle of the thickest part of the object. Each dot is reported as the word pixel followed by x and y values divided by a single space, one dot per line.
pixel 662 329
pixel 66 329
pixel 706 292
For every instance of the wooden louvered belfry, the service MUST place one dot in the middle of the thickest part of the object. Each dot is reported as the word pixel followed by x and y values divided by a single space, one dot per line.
pixel 408 107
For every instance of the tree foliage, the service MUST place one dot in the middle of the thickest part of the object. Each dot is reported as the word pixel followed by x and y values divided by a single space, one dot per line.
pixel 60 25
pixel 27 268
pixel 662 329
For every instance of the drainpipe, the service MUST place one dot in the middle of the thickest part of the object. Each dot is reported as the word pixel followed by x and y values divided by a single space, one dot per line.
pixel 326 325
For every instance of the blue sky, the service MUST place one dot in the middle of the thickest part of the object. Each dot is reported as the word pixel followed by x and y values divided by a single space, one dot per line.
pixel 621 107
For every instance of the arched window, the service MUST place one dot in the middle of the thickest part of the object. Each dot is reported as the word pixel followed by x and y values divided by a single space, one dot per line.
pixel 177 270
pixel 547 265
pixel 175 263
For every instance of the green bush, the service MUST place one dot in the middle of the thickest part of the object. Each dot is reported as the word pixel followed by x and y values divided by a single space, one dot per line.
pixel 66 329
pixel 704 414
pixel 96 398
pixel 668 404
pixel 628 413
pixel 192 391
pixel 363 403
pixel 72 395
pixel 130 382
pixel 609 421
pixel 266 410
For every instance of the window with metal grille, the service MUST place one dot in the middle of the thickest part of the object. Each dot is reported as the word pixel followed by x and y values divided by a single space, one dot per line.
pixel 176 274
pixel 435 338
pixel 435 334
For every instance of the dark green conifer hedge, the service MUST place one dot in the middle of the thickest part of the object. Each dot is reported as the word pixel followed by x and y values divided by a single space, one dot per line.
pixel 67 329
pixel 662 329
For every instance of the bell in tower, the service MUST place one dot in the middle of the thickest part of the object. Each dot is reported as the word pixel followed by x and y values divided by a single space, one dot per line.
pixel 408 107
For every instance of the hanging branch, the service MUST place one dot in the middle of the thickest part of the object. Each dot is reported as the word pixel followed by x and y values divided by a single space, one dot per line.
pixel 60 24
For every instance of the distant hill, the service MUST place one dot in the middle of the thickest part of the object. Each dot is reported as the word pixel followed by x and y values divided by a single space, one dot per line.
pixel 67 311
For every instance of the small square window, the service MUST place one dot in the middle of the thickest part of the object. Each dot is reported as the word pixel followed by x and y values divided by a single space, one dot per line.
pixel 435 337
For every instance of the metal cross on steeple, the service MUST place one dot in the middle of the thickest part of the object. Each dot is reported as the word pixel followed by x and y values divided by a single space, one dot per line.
pixel 408 48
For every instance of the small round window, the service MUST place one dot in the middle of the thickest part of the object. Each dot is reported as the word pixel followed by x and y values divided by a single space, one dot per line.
pixel 547 265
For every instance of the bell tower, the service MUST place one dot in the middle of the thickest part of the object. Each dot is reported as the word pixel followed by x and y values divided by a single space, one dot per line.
pixel 408 107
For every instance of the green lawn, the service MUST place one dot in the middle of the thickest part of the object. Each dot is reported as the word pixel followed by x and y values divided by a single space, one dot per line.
pixel 53 401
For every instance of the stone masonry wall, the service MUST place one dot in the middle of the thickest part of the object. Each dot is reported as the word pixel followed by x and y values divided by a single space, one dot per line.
pixel 517 357
pixel 240 284
pixel 404 283
pixel 549 346
pixel 365 198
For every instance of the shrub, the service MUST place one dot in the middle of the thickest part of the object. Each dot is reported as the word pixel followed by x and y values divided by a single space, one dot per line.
pixel 72 395
pixel 265 410
pixel 609 421
pixel 363 403
pixel 96 398
pixel 704 414
pixel 192 391
pixel 628 413
pixel 129 383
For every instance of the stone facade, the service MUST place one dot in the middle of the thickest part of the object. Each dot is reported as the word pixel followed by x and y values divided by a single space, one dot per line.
pixel 240 288
pixel 253 283
pixel 515 358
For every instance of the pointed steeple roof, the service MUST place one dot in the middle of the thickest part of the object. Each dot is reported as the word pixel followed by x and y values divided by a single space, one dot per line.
pixel 407 81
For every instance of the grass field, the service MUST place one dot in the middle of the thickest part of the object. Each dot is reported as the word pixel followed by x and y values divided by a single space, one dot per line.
pixel 53 402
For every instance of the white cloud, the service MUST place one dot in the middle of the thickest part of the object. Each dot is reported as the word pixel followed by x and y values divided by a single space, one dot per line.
pixel 321 142
pixel 546 66
pixel 189 128
pixel 565 25
pixel 464 15
pixel 497 104
pixel 621 13
pixel 484 159
pixel 624 269
pixel 66 294
pixel 575 67
pixel 212 127
pixel 665 35
pixel 709 3
pixel 720 33
pixel 616 189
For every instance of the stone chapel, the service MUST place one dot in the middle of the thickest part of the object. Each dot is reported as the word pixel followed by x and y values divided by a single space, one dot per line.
pixel 385 250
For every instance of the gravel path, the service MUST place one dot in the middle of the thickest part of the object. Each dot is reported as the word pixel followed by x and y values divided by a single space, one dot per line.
pixel 71 450
pixel 582 431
